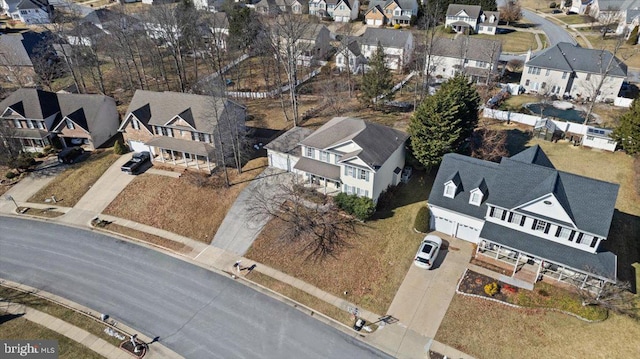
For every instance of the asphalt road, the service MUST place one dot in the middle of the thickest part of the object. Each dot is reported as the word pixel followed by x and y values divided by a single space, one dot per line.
pixel 555 33
pixel 196 313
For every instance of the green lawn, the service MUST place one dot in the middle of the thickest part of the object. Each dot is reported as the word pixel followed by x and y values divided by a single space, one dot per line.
pixel 514 42
pixel 574 19
pixel 20 328
pixel 69 186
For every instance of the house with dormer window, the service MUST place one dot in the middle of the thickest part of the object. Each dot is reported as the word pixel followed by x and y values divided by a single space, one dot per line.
pixel 344 155
pixel 36 117
pixel 462 18
pixel 338 10
pixel 527 216
pixel 180 129
pixel 391 12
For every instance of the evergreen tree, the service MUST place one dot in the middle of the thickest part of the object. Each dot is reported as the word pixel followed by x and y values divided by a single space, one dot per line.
pixel 628 132
pixel 376 81
pixel 443 122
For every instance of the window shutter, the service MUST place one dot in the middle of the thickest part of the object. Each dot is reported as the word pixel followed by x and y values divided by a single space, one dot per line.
pixel 510 217
pixel 522 221
pixel 535 221
pixel 546 229
pixel 558 231
pixel 367 174
pixel 491 211
pixel 504 215
pixel 579 237
pixel 593 242
pixel 573 233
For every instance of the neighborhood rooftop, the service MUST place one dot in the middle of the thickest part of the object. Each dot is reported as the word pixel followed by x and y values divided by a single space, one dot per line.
pixel 567 57
pixel 386 37
pixel 468 48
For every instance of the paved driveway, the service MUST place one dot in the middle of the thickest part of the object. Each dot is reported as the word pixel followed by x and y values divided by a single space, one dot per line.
pixel 237 231
pixel 422 301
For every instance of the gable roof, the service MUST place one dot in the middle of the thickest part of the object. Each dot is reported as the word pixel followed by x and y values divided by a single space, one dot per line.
pixel 18 49
pixel 569 58
pixel 158 108
pixel 472 10
pixel 386 37
pixel 377 142
pixel 83 109
pixel 289 142
pixel 32 103
pixel 33 5
pixel 471 48
pixel 525 177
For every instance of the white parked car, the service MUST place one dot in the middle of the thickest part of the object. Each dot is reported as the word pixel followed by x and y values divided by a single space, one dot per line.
pixel 428 251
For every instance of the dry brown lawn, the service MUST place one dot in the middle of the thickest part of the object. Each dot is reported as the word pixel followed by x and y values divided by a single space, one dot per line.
pixel 178 205
pixel 491 330
pixel 374 264
pixel 149 238
pixel 302 297
pixel 69 186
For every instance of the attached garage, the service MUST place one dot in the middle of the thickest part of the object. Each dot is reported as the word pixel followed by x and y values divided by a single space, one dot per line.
pixel 443 225
pixel 468 233
pixel 282 161
pixel 283 152
pixel 138 146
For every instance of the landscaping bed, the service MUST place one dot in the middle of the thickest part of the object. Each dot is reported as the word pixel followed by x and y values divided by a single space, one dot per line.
pixel 69 186
pixel 183 205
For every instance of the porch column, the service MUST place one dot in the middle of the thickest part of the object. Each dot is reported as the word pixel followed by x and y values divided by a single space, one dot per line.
pixel 197 165
pixel 584 281
pixel 539 269
pixel 173 157
pixel 325 186
pixel 515 267
pixel 208 164
pixel 498 252
pixel 184 157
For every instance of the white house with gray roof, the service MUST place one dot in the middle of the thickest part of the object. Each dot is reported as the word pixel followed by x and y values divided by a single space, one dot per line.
pixel 353 156
pixel 397 45
pixel 528 216
pixel 285 151
pixel 567 69
pixel 462 17
pixel 476 58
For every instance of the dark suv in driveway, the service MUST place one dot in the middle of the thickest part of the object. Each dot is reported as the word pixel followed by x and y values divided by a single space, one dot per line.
pixel 70 154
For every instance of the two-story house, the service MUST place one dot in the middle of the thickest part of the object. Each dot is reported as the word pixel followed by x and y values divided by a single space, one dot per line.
pixel 461 18
pixel 397 45
pixel 338 10
pixel 528 216
pixel 474 57
pixel 32 12
pixel 353 156
pixel 350 57
pixel 17 52
pixel 570 70
pixel 180 129
pixel 391 12
pixel 36 117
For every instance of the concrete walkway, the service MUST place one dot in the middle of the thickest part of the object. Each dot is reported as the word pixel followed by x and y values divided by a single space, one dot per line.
pixel 238 230
pixel 72 332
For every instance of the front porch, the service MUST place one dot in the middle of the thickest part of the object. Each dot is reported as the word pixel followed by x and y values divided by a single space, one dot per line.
pixel 323 185
pixel 191 155
pixel 524 270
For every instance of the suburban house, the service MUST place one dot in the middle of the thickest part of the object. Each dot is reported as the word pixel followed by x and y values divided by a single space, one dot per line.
pixel 477 58
pixel 397 44
pixel 285 151
pixel 272 7
pixel 626 24
pixel 463 17
pixel 179 129
pixel 28 11
pixel 527 216
pixel 37 117
pixel 349 155
pixel 582 7
pixel 85 34
pixel 350 56
pixel 338 10
pixel 391 12
pixel 300 7
pixel 569 70
pixel 17 52
pixel 217 33
pixel 312 45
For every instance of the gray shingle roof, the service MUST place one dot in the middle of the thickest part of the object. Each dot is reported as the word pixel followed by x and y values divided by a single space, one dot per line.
pixel 158 108
pixel 289 142
pixel 602 264
pixel 187 146
pixel 377 142
pixel 33 5
pixel 17 49
pixel 32 103
pixel 319 168
pixel 514 182
pixel 386 37
pixel 471 48
pixel 84 109
pixel 472 10
pixel 568 57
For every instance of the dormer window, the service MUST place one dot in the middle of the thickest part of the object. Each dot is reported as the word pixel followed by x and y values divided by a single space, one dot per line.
pixel 450 189
pixel 70 124
pixel 475 197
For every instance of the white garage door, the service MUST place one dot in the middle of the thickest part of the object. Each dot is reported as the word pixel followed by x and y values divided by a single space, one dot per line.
pixel 370 22
pixel 444 225
pixel 282 161
pixel 378 22
pixel 138 146
pixel 467 233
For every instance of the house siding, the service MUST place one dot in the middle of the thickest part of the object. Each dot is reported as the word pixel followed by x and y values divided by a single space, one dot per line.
pixel 385 175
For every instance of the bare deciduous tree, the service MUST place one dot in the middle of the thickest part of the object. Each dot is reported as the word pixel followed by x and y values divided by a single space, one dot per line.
pixel 321 231
pixel 489 144
pixel 616 297
pixel 511 11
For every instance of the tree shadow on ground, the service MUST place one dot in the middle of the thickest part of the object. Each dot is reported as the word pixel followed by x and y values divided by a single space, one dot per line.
pixel 8 317
pixel 624 241
pixel 517 140
pixel 416 190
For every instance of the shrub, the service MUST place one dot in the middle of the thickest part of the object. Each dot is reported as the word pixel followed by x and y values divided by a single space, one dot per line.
pixel 543 293
pixel 360 207
pixel 47 149
pixel 553 5
pixel 10 175
pixel 119 148
pixel 396 26
pixel 421 223
pixel 386 198
pixel 40 155
pixel 491 289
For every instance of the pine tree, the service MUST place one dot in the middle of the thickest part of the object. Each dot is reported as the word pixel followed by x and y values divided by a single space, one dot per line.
pixel 628 132
pixel 443 121
pixel 376 81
